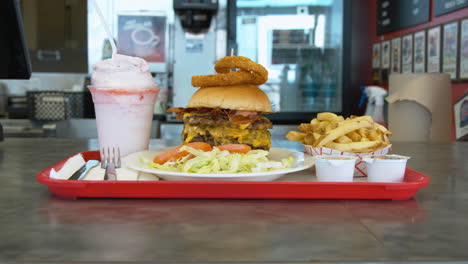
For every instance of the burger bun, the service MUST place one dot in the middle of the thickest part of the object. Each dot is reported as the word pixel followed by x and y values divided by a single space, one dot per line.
pixel 238 97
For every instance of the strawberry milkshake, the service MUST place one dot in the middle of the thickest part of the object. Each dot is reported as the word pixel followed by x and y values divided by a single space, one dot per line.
pixel 124 94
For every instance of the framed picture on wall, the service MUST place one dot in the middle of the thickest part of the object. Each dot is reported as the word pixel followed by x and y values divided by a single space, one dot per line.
pixel 450 49
pixel 463 68
pixel 144 35
pixel 419 52
pixel 385 60
pixel 395 55
pixel 407 54
pixel 460 111
pixel 376 55
pixel 433 49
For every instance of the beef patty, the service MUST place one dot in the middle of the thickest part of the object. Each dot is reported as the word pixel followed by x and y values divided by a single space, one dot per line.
pixel 223 121
pixel 208 138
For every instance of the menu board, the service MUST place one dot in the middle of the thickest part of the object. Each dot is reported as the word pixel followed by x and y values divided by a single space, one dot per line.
pixel 393 15
pixel 446 6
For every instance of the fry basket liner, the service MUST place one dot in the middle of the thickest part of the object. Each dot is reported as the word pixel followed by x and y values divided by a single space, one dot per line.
pixel 360 169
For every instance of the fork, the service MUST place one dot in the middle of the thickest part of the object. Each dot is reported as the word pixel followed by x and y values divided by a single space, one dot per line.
pixel 110 160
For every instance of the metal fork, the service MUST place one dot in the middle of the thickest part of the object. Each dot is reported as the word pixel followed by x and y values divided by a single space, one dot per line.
pixel 110 160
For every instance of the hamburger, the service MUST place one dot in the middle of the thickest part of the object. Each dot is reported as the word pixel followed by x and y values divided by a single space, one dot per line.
pixel 229 107
pixel 221 115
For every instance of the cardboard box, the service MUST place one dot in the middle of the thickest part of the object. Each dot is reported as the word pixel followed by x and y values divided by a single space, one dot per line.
pixel 420 107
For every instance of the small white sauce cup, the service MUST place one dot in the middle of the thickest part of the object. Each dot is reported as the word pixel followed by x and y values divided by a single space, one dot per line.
pixel 330 168
pixel 385 168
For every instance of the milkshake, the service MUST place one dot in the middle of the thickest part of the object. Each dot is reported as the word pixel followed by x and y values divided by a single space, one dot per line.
pixel 124 94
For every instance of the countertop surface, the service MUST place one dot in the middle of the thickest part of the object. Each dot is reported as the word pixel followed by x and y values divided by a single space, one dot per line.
pixel 36 226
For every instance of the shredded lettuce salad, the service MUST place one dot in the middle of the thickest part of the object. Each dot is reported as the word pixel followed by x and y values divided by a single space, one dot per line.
pixel 217 161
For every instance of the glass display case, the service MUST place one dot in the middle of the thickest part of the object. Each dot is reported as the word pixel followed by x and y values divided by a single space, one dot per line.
pixel 301 44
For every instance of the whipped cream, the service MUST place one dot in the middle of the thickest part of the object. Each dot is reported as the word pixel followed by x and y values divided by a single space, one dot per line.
pixel 122 72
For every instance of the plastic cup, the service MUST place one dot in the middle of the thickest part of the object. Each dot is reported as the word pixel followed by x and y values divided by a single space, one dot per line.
pixel 124 117
pixel 360 168
pixel 386 168
pixel 330 168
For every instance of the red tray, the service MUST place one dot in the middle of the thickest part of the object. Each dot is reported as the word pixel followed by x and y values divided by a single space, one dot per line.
pixel 231 189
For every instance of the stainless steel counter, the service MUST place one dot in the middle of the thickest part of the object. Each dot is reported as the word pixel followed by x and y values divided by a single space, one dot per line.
pixel 37 226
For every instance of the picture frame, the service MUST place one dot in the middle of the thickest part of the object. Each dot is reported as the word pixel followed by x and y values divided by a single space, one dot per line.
pixel 419 52
pixel 376 56
pixel 385 55
pixel 407 54
pixel 463 57
pixel 395 56
pixel 450 49
pixel 433 49
pixel 460 111
pixel 145 35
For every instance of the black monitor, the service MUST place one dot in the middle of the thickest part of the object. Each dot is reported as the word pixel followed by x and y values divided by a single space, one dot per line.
pixel 14 56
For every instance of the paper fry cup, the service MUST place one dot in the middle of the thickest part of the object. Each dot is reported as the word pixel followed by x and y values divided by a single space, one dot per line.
pixel 360 169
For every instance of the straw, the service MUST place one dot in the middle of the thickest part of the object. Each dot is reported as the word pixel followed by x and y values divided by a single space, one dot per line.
pixel 106 27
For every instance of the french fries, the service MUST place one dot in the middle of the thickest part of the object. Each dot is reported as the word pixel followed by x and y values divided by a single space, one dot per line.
pixel 333 134
pixel 295 136
pixel 327 117
pixel 355 147
pixel 354 134
pixel 344 139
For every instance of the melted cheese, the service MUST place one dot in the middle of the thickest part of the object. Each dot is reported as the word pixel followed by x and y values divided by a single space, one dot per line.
pixel 222 135
pixel 244 126
pixel 239 126
pixel 191 114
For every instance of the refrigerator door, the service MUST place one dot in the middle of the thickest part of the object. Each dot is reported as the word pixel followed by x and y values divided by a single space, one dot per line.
pixel 15 61
pixel 301 45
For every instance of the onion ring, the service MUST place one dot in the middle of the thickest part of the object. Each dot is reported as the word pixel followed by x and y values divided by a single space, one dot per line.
pixel 225 79
pixel 227 63
pixel 248 72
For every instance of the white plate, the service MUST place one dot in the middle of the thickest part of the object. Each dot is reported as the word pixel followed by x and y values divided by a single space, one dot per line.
pixel 133 161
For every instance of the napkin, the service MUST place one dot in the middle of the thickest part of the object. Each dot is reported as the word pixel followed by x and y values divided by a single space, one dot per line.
pixel 123 174
pixel 143 176
pixel 95 174
pixel 126 174
pixel 72 165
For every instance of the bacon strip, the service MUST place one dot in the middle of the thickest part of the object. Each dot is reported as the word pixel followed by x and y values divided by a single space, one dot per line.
pixel 242 117
pixel 239 119
pixel 175 110
pixel 189 110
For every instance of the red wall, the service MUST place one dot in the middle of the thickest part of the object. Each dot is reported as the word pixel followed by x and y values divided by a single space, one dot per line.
pixel 363 27
pixel 458 88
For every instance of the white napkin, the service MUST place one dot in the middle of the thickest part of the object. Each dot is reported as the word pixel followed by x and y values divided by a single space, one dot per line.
pixel 95 174
pixel 123 174
pixel 54 174
pixel 126 174
pixel 72 165
pixel 143 176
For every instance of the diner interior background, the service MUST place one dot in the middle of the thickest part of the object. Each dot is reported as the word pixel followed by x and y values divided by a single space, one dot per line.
pixel 317 52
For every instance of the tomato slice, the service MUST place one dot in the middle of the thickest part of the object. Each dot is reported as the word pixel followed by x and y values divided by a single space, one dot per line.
pixel 235 148
pixel 175 153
